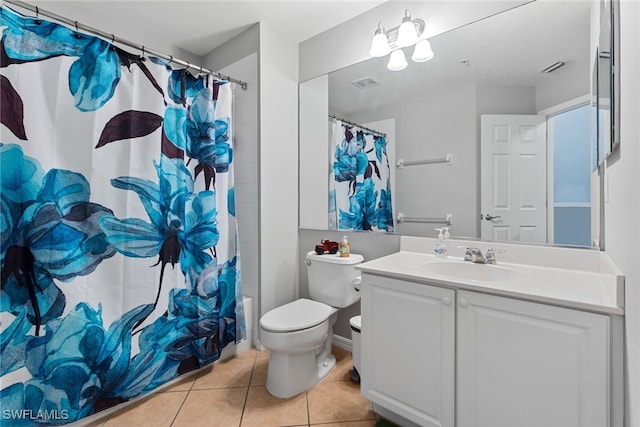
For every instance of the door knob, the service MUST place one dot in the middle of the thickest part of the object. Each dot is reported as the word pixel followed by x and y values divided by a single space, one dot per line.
pixel 490 217
pixel 463 303
pixel 446 301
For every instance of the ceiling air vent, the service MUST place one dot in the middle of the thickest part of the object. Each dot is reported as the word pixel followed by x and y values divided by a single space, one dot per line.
pixel 553 67
pixel 365 82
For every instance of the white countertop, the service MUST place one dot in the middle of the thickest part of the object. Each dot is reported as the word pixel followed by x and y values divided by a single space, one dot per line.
pixel 597 289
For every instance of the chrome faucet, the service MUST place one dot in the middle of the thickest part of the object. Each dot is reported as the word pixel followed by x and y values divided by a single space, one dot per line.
pixel 473 255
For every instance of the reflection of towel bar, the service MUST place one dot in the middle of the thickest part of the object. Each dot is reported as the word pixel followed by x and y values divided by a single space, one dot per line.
pixel 448 159
pixel 447 220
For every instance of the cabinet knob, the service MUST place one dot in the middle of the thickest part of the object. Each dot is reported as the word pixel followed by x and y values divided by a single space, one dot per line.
pixel 446 301
pixel 463 303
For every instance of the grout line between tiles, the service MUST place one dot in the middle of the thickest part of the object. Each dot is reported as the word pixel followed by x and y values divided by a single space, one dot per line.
pixel 180 408
pixel 246 396
pixel 306 399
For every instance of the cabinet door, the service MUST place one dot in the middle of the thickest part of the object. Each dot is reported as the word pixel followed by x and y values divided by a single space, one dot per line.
pixel 408 349
pixel 529 364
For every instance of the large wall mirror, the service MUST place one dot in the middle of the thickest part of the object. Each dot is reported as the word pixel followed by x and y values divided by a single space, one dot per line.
pixel 524 73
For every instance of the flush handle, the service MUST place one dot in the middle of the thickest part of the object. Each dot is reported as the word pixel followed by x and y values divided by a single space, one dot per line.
pixel 307 261
pixel 355 283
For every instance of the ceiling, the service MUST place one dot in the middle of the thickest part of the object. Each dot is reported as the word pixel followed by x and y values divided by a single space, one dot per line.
pixel 200 26
pixel 510 48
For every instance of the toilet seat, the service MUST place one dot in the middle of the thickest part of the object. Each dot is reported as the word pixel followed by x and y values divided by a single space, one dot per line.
pixel 296 316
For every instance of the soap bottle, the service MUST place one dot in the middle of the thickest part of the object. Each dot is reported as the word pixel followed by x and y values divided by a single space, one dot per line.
pixel 345 249
pixel 441 246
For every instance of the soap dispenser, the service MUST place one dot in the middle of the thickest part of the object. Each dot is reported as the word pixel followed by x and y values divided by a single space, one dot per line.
pixel 345 247
pixel 441 245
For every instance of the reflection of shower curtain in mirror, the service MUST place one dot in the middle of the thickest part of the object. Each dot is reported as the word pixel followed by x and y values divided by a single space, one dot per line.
pixel 120 269
pixel 359 181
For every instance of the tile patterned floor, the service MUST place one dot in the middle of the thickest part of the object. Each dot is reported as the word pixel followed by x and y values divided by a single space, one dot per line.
pixel 233 393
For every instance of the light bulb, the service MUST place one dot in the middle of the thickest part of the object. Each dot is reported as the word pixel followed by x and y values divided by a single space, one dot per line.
pixel 422 52
pixel 379 44
pixel 397 60
pixel 407 32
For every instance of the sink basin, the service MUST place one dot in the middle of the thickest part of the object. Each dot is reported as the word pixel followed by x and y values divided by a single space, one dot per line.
pixel 472 271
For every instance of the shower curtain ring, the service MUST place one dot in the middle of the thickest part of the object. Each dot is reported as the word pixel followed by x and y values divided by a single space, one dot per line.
pixel 37 20
pixel 77 34
pixel 113 39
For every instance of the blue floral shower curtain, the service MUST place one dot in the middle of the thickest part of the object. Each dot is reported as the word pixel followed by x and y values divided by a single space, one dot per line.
pixel 120 266
pixel 360 180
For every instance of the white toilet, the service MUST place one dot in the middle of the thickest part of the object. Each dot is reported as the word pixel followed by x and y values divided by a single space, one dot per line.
pixel 299 334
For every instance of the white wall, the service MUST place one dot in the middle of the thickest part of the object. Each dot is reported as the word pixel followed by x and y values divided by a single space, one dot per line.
pixel 430 128
pixel 266 162
pixel 314 145
pixel 563 86
pixel 278 177
pixel 622 200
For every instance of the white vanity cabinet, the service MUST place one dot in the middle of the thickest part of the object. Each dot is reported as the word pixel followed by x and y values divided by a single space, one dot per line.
pixel 443 357
pixel 408 349
pixel 522 363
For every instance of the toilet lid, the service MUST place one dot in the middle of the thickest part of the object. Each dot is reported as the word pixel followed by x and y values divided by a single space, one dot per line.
pixel 295 316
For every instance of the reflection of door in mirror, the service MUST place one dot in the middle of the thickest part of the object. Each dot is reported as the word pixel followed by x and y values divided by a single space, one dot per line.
pixel 514 170
pixel 513 188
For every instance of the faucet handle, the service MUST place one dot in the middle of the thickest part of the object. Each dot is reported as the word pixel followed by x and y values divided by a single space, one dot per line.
pixel 467 253
pixel 490 256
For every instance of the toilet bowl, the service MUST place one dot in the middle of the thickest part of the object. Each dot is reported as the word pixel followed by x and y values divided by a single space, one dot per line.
pixel 299 334
pixel 298 358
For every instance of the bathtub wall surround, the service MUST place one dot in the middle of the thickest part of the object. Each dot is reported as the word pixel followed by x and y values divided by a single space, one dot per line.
pixel 543 325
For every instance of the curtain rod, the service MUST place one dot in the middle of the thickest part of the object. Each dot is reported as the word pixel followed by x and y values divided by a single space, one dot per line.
pixel 375 132
pixel 115 39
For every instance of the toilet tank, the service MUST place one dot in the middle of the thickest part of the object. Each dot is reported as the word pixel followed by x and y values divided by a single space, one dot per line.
pixel 333 279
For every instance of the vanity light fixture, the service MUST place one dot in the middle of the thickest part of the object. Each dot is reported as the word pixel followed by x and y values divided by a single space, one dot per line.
pixel 408 33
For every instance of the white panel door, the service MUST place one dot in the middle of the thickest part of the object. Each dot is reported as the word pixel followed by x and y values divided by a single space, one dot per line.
pixel 513 185
pixel 408 344
pixel 528 364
